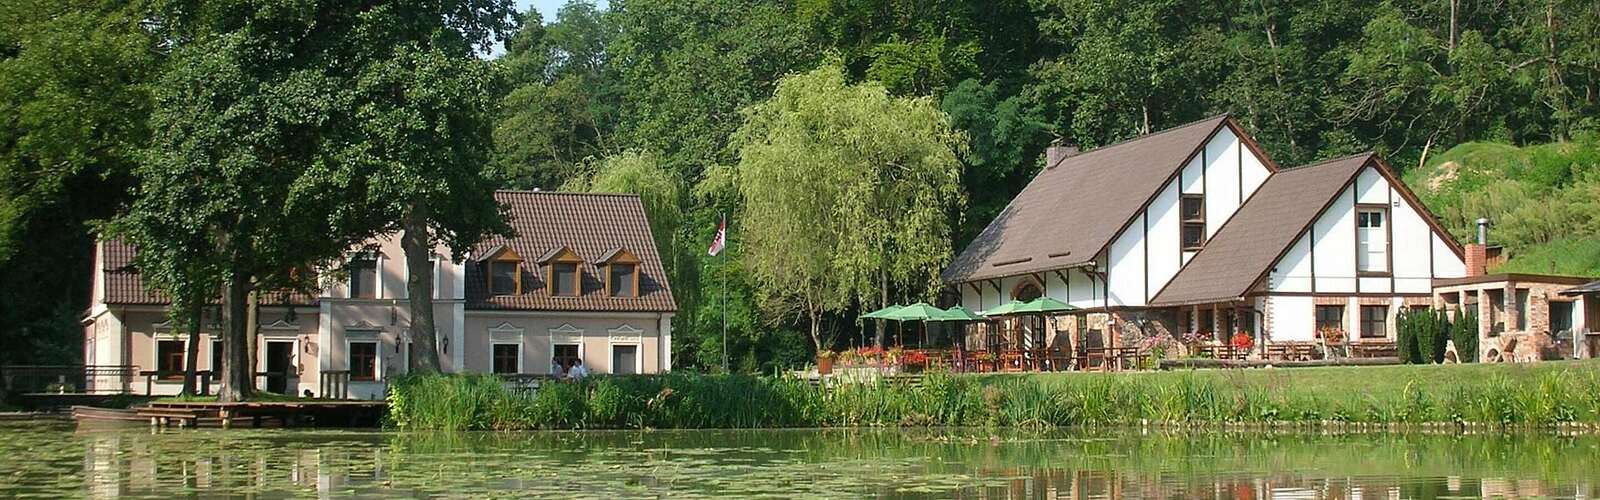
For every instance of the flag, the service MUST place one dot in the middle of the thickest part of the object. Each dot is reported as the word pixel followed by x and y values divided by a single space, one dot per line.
pixel 721 241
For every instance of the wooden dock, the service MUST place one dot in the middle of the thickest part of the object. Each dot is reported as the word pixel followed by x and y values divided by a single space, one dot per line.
pixel 315 413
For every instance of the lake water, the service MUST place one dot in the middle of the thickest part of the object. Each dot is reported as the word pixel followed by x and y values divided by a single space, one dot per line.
pixel 54 461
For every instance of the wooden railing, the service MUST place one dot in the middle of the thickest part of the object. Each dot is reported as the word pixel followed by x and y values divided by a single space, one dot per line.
pixel 76 379
pixel 203 377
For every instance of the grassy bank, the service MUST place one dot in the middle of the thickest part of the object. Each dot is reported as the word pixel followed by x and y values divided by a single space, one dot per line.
pixel 1539 395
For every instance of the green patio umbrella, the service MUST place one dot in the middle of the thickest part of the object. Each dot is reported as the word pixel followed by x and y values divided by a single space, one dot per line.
pixel 921 311
pixel 1043 305
pixel 959 313
pixel 1004 309
pixel 884 313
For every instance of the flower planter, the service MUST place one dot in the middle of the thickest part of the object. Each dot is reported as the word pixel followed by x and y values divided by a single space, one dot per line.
pixel 824 365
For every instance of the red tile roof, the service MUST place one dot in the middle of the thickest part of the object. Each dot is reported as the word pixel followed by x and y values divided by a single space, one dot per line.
pixel 591 225
pixel 123 286
pixel 1072 210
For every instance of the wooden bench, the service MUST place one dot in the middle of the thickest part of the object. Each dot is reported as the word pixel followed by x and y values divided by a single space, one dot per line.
pixel 1224 351
pixel 163 417
pixel 1291 351
pixel 1374 349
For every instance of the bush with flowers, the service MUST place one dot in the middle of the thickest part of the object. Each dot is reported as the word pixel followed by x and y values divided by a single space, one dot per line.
pixel 1242 341
pixel 1331 335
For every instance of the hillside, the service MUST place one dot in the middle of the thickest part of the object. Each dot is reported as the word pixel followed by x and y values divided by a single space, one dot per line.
pixel 1544 201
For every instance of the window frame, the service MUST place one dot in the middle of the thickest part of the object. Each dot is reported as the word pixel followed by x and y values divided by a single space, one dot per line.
pixel 494 357
pixel 351 290
pixel 350 360
pixel 1383 321
pixel 218 351
pixel 632 288
pixel 638 358
pixel 565 361
pixel 1317 319
pixel 1186 222
pixel 162 359
pixel 516 277
pixel 576 281
pixel 1386 223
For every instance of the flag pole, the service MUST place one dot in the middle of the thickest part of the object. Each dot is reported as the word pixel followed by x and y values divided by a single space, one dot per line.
pixel 725 292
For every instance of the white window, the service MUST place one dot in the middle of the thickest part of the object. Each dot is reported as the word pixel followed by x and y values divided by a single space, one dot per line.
pixel 1372 241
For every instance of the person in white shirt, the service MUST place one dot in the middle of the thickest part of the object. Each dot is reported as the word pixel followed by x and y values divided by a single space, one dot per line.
pixel 578 371
pixel 555 368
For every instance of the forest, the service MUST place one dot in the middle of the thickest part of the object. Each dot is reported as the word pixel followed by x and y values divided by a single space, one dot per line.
pixel 852 145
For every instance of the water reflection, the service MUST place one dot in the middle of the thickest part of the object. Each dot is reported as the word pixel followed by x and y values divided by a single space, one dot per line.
pixel 961 463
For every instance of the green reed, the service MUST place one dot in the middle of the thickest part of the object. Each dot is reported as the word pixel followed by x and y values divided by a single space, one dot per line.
pixel 1536 396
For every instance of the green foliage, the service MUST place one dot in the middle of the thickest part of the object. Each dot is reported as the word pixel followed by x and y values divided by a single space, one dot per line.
pixel 1465 333
pixel 846 190
pixel 1543 201
pixel 1478 394
pixel 75 95
pixel 1422 336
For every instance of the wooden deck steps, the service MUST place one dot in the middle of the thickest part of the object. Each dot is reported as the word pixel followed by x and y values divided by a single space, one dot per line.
pixel 320 413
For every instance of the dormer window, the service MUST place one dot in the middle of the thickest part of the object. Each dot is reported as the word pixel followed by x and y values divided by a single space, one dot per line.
pixel 503 278
pixel 564 279
pixel 563 276
pixel 503 268
pixel 621 273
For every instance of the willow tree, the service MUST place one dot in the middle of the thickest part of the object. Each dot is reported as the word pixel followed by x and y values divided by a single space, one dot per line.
pixel 846 193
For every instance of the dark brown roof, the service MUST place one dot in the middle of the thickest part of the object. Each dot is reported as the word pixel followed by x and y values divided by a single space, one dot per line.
pixel 121 281
pixel 1262 230
pixel 123 286
pixel 590 225
pixel 1072 210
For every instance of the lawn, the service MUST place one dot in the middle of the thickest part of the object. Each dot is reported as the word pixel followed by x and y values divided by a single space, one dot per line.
pixel 1374 380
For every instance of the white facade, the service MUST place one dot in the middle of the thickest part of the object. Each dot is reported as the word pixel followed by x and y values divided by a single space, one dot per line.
pixel 1324 260
pixel 1370 246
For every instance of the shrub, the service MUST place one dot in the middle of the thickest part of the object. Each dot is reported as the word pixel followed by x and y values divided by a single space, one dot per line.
pixel 1465 333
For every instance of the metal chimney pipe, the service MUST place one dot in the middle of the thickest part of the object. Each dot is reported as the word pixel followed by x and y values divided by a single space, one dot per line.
pixel 1483 231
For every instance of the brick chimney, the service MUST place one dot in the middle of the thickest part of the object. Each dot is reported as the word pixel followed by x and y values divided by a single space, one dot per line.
pixel 1478 252
pixel 1058 150
pixel 1477 259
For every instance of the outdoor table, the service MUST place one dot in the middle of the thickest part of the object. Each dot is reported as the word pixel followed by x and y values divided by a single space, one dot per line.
pixel 1092 354
pixel 1126 356
pixel 1013 361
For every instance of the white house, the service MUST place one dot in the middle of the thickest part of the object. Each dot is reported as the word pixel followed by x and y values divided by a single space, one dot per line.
pixel 581 280
pixel 1196 229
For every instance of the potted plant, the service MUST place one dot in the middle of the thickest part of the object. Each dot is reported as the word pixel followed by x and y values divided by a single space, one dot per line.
pixel 1242 341
pixel 987 360
pixel 824 362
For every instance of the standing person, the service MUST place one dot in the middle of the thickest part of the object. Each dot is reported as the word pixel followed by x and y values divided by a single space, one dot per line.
pixel 555 368
pixel 577 371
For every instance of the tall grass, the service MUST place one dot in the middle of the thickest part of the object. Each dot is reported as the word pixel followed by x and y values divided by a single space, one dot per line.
pixel 468 402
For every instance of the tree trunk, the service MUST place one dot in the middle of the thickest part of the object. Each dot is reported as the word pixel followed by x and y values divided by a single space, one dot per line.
pixel 419 290
pixel 1452 48
pixel 196 310
pixel 883 301
pixel 816 335
pixel 252 331
pixel 237 382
